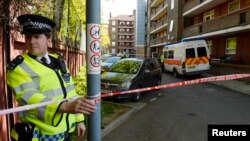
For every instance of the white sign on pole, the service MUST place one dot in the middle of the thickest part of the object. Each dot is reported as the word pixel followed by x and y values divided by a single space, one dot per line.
pixel 94 49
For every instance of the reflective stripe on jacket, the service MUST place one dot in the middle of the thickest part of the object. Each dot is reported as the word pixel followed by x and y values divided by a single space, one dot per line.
pixel 33 82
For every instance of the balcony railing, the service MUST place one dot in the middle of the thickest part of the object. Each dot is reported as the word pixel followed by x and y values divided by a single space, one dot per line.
pixel 159 40
pixel 159 8
pixel 220 23
pixel 125 47
pixel 159 24
pixel 126 40
pixel 126 32
pixel 154 3
pixel 126 25
pixel 194 7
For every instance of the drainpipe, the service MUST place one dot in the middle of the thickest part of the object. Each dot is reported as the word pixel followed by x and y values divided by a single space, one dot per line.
pixel 6 45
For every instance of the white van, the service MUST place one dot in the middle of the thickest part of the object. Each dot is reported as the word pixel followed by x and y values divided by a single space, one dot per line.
pixel 188 57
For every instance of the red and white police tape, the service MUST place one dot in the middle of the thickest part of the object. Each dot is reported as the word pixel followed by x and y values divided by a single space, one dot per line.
pixel 164 86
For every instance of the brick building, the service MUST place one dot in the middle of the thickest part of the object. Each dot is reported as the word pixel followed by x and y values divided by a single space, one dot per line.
pixel 224 24
pixel 122 32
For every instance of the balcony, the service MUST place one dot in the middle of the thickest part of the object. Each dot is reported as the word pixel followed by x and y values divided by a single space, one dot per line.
pixel 195 7
pixel 160 26
pixel 160 11
pixel 158 41
pixel 126 40
pixel 155 3
pixel 220 25
pixel 125 47
pixel 126 33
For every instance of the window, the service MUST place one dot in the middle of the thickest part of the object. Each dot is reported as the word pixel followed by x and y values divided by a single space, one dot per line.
pixel 208 15
pixel 122 30
pixel 190 53
pixel 128 23
pixel 242 18
pixel 113 37
pixel 231 45
pixel 172 4
pixel 113 44
pixel 210 46
pixel 113 22
pixel 113 29
pixel 201 51
pixel 171 25
pixel 121 37
pixel 170 54
pixel 233 6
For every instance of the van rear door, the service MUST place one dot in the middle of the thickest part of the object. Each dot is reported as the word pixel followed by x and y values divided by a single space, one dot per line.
pixel 203 56
pixel 190 60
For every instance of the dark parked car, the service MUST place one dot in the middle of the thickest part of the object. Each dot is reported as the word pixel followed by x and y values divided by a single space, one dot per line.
pixel 105 56
pixel 129 74
pixel 105 65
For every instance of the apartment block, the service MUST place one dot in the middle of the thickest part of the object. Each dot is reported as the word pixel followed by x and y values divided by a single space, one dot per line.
pixel 224 24
pixel 164 24
pixel 122 34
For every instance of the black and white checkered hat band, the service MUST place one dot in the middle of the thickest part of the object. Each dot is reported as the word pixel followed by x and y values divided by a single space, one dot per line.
pixel 36 26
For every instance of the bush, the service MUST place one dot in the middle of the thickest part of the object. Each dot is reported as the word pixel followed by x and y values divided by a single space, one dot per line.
pixel 81 82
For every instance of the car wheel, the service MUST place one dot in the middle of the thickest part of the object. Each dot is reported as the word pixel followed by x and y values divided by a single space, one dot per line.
pixel 159 82
pixel 176 74
pixel 136 97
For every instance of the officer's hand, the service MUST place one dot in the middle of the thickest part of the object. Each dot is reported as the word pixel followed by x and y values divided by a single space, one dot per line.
pixel 81 129
pixel 79 105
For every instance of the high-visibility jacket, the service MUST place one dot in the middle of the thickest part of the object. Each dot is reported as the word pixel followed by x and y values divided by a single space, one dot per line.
pixel 162 58
pixel 33 82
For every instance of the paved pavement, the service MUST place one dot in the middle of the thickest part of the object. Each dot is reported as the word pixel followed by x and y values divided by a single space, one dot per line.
pixel 235 85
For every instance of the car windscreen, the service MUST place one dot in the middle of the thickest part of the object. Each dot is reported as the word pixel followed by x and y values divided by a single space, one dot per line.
pixel 126 66
pixel 105 56
pixel 112 59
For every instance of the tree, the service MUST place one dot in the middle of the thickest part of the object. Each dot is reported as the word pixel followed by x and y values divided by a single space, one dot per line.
pixel 105 40
pixel 69 15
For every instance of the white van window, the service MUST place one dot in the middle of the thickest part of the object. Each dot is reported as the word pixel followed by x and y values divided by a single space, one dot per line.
pixel 170 54
pixel 201 51
pixel 190 53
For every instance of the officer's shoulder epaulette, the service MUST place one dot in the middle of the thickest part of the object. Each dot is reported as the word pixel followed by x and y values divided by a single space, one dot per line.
pixel 15 62
pixel 55 55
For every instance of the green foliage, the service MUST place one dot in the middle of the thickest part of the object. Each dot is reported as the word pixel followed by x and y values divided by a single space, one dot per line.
pixel 105 40
pixel 70 16
pixel 126 67
pixel 81 82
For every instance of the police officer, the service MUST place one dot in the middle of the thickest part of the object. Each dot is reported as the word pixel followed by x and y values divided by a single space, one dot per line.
pixel 37 76
pixel 162 61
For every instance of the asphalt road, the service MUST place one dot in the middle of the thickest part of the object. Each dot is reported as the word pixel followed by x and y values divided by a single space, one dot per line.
pixel 183 113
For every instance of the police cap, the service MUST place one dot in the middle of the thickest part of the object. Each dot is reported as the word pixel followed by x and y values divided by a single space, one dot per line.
pixel 35 24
